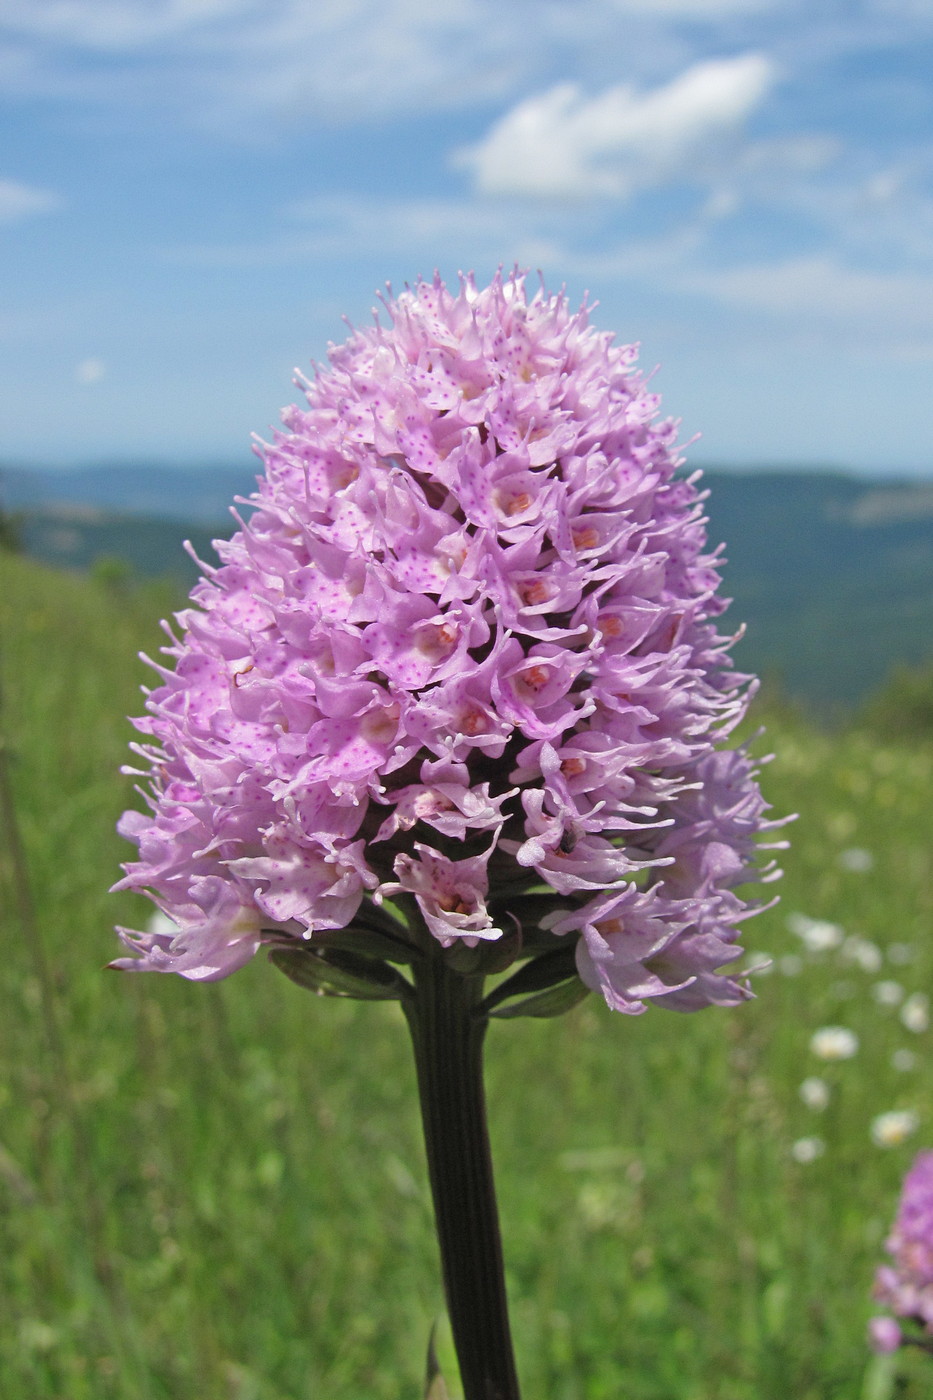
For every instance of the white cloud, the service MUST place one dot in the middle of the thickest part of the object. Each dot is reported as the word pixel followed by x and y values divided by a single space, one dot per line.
pixel 562 144
pixel 114 25
pixel 18 201
pixel 873 213
pixel 820 290
pixel 901 9
pixel 233 64
pixel 90 371
pixel 353 58
pixel 459 232
pixel 803 154
pixel 228 61
pixel 697 9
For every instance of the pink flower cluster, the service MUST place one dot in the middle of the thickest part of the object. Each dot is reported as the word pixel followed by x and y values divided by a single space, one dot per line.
pixel 462 653
pixel 906 1285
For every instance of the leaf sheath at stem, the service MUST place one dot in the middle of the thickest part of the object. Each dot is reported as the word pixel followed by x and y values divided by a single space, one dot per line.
pixel 447 1035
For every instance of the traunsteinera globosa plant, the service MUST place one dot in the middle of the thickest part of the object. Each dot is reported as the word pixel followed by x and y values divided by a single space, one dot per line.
pixel 906 1284
pixel 454 706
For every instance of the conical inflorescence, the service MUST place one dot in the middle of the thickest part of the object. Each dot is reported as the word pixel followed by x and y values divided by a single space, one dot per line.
pixel 463 649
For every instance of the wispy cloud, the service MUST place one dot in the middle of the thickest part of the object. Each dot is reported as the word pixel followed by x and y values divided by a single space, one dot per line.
pixel 822 295
pixel 563 144
pixel 346 227
pixel 889 309
pixel 19 201
pixel 235 60
pixel 230 64
pixel 116 25
pixel 90 371
pixel 753 173
pixel 698 9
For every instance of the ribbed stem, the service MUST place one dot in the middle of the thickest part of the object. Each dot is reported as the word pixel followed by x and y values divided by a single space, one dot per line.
pixel 448 1044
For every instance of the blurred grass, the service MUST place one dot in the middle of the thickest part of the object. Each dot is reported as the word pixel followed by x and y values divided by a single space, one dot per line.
pixel 218 1192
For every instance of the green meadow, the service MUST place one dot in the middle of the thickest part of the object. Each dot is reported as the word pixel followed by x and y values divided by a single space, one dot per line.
pixel 218 1192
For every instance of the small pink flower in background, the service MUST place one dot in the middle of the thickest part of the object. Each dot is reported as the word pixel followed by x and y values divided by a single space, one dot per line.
pixel 462 649
pixel 884 1335
pixel 905 1286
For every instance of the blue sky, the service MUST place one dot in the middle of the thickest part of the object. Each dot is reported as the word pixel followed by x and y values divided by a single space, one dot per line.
pixel 194 192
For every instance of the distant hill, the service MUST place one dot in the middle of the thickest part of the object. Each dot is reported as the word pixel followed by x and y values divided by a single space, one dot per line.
pixel 80 536
pixel 833 575
pixel 196 495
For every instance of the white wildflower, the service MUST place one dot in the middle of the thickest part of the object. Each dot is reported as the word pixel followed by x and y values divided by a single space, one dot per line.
pixel 807 1149
pixel 891 1129
pixel 901 953
pixel 904 1061
pixel 834 1043
pixel 816 935
pixel 815 1093
pixel 797 923
pixel 864 954
pixel 915 1013
pixel 791 965
pixel 856 859
pixel 888 993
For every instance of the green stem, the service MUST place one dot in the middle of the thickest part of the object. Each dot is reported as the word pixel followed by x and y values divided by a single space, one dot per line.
pixel 447 1035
